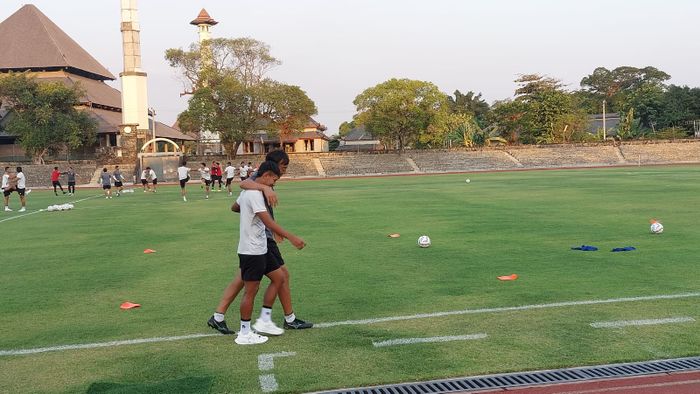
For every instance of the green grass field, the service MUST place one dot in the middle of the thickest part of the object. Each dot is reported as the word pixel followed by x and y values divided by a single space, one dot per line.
pixel 64 275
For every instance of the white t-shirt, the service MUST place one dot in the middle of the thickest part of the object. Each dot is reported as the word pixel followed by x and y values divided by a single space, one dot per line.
pixel 144 174
pixel 152 174
pixel 21 180
pixel 252 239
pixel 230 171
pixel 183 172
pixel 204 172
pixel 244 171
pixel 5 181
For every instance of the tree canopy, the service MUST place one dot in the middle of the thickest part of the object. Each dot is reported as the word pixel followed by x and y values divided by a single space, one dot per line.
pixel 44 116
pixel 398 111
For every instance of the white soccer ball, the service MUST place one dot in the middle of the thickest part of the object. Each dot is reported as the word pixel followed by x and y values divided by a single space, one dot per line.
pixel 657 228
pixel 51 208
pixel 467 180
pixel 423 241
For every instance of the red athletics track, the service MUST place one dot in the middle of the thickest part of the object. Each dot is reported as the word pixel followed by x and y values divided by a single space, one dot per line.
pixel 672 383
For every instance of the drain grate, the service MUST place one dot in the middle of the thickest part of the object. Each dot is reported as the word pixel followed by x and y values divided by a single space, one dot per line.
pixel 531 378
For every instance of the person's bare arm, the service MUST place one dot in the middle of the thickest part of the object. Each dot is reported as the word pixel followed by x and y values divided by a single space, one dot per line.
pixel 236 208
pixel 267 191
pixel 277 229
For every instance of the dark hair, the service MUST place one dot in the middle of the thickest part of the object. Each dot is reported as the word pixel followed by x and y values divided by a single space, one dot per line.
pixel 184 162
pixel 278 156
pixel 148 168
pixel 269 166
pixel 229 163
pixel 204 164
pixel 115 167
pixel 104 169
pixel 7 168
pixel 19 169
pixel 55 168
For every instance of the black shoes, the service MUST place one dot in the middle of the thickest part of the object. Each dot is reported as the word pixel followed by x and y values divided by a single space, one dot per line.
pixel 297 325
pixel 219 326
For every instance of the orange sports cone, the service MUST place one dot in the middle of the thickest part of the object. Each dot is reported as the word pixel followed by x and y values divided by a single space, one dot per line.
pixel 508 277
pixel 395 235
pixel 128 305
pixel 147 251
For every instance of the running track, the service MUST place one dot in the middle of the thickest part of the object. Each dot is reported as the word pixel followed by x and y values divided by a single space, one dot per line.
pixel 671 383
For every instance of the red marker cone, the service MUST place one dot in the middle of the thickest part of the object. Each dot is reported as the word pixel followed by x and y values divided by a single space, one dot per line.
pixel 128 305
pixel 147 251
pixel 508 277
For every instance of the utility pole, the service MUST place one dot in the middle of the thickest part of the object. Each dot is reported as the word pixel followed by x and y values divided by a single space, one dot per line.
pixel 604 130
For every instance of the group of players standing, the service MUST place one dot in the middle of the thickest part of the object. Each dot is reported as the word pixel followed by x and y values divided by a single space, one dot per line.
pixel 210 175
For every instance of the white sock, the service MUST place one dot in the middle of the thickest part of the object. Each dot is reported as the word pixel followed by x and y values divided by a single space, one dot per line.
pixel 245 327
pixel 219 317
pixel 290 317
pixel 266 314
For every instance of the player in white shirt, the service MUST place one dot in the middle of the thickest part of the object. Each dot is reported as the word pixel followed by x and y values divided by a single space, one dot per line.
pixel 205 173
pixel 6 188
pixel 183 175
pixel 21 184
pixel 144 180
pixel 230 171
pixel 243 171
pixel 253 261
pixel 153 177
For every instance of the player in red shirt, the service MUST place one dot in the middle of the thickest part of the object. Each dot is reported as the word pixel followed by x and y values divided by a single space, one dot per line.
pixel 55 175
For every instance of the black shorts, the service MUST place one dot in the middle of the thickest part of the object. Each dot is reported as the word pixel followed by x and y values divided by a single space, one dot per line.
pixel 6 193
pixel 207 182
pixel 228 181
pixel 106 187
pixel 118 184
pixel 73 184
pixel 55 183
pixel 144 182
pixel 252 267
pixel 20 192
pixel 243 178
pixel 273 257
pixel 155 181
pixel 183 182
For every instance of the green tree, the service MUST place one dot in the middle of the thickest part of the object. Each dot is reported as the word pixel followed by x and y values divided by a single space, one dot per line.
pixel 680 107
pixel 345 128
pixel 286 107
pixel 470 104
pixel 44 116
pixel 616 85
pixel 246 59
pixel 226 78
pixel 398 111
pixel 551 115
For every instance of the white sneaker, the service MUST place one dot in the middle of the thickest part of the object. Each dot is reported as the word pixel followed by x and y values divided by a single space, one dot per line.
pixel 7 209
pixel 28 191
pixel 268 328
pixel 250 339
pixel 22 209
pixel 230 194
pixel 206 197
pixel 184 199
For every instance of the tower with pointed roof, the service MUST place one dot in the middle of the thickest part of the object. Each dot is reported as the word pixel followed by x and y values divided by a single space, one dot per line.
pixel 31 42
pixel 203 21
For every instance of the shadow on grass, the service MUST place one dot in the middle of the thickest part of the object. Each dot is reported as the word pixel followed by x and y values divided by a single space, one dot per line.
pixel 185 385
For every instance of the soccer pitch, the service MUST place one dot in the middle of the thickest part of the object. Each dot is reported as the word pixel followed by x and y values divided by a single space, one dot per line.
pixel 385 310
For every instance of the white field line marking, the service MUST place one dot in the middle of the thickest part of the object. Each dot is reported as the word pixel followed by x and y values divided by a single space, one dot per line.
pixel 266 363
pixel 102 344
pixel 649 322
pixel 43 210
pixel 368 321
pixel 268 383
pixel 506 309
pixel 408 341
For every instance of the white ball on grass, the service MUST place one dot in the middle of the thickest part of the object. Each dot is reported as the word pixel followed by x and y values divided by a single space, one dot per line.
pixel 424 241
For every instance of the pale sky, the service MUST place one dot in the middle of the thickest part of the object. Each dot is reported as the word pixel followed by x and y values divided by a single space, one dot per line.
pixel 334 49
